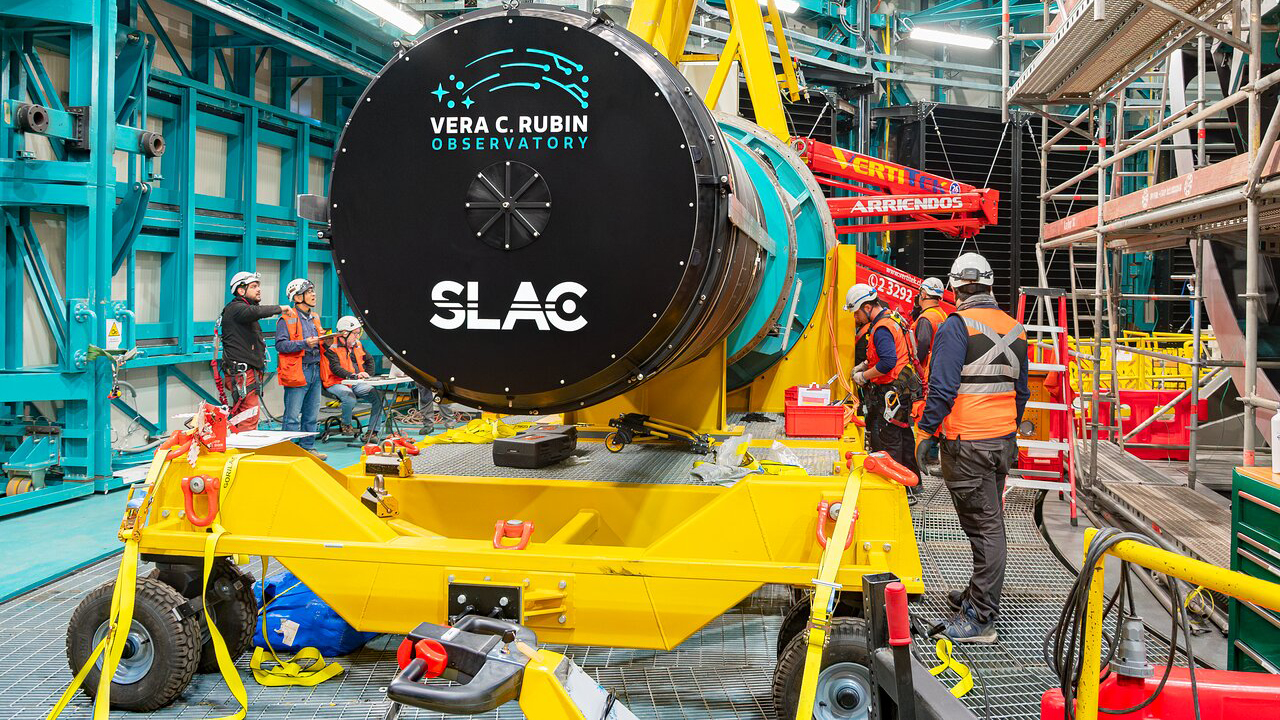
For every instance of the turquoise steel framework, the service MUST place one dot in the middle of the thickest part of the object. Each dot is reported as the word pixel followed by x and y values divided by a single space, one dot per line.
pixel 113 96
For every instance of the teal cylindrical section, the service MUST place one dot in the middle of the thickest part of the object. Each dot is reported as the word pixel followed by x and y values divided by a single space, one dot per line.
pixel 797 219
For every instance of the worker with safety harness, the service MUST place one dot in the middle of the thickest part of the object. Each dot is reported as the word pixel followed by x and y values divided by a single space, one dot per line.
pixel 888 380
pixel 300 369
pixel 929 316
pixel 244 351
pixel 348 361
pixel 977 392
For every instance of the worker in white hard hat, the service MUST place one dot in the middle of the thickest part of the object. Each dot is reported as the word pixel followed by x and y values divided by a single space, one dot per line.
pixel 348 361
pixel 887 380
pixel 300 369
pixel 244 351
pixel 929 315
pixel 977 393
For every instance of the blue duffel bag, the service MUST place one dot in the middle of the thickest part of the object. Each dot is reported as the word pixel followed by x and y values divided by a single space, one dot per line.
pixel 296 618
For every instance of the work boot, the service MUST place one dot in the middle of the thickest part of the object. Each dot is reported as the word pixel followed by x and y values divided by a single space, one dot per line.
pixel 965 628
pixel 955 599
pixel 319 455
pixel 347 430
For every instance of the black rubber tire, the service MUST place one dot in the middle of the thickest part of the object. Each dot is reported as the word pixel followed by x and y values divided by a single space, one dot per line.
pixel 234 617
pixel 614 442
pixel 176 644
pixel 797 617
pixel 848 641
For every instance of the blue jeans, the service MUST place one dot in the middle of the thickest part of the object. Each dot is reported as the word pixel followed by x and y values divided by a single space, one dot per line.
pixel 349 395
pixel 302 405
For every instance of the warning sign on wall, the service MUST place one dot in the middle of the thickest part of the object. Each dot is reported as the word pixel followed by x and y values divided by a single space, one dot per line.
pixel 113 334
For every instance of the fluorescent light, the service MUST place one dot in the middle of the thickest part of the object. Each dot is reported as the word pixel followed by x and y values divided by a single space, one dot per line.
pixel 976 42
pixel 392 13
pixel 784 6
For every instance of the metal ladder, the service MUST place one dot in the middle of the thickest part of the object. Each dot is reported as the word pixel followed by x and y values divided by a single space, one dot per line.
pixel 1054 325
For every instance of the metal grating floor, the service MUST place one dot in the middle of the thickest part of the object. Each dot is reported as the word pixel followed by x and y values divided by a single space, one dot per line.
pixel 723 672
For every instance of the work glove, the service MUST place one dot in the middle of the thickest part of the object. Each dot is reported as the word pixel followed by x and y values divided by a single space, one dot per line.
pixel 860 367
pixel 923 450
pixel 860 378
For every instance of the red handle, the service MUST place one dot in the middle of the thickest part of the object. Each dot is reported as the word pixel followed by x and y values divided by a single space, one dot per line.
pixel 207 486
pixel 895 605
pixel 512 529
pixel 407 444
pixel 371 449
pixel 821 530
pixel 436 657
pixel 431 651
pixel 881 464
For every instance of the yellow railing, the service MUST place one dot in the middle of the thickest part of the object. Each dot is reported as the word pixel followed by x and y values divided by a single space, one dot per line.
pixel 1135 371
pixel 1194 572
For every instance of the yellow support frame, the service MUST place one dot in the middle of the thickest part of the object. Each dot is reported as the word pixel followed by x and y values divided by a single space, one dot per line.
pixel 1194 572
pixel 617 564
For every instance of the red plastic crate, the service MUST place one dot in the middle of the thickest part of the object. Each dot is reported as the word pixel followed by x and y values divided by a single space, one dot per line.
pixel 1174 428
pixel 826 421
pixel 791 395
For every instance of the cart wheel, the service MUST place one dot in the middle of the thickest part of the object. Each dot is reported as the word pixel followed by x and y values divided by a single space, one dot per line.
pixel 17 486
pixel 160 655
pixel 614 442
pixel 844 689
pixel 234 609
pixel 797 618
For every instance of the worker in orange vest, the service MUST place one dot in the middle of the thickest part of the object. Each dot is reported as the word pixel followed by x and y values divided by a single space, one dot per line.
pixel 929 317
pixel 348 361
pixel 977 393
pixel 887 380
pixel 300 369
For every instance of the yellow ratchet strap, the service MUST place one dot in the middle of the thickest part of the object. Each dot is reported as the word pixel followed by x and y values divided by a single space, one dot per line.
pixel 293 671
pixel 944 649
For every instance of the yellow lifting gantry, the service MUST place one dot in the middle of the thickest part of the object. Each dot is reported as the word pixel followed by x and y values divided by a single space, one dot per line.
pixel 665 24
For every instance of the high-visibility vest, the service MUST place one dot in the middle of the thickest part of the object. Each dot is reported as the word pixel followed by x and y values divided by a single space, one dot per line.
pixel 289 368
pixel 938 317
pixel 900 347
pixel 985 405
pixel 351 357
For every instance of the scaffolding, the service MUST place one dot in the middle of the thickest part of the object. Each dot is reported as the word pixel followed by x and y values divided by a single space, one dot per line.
pixel 1080 83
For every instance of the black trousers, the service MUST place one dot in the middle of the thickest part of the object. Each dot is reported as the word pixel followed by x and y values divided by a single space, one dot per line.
pixel 974 471
pixel 899 442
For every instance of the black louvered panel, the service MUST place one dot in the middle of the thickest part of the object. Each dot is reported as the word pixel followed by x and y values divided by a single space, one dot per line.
pixel 972 146
pixel 813 118
pixel 1062 166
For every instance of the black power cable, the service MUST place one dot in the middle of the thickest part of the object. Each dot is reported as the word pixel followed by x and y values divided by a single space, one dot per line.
pixel 1066 659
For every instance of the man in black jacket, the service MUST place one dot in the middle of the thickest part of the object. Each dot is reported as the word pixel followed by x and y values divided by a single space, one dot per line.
pixel 244 352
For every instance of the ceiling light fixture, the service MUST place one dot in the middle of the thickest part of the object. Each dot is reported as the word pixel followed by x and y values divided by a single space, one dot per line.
pixel 394 14
pixel 946 37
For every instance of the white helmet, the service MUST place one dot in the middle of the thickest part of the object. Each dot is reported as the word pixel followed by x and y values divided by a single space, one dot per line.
pixel 932 287
pixel 347 323
pixel 243 278
pixel 858 296
pixel 971 268
pixel 297 287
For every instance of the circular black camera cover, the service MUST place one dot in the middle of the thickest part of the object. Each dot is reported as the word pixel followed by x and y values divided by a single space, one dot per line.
pixel 608 259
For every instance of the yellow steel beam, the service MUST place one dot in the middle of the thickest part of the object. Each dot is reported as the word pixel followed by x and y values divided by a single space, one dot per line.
pixel 789 80
pixel 677 21
pixel 646 20
pixel 725 63
pixel 757 66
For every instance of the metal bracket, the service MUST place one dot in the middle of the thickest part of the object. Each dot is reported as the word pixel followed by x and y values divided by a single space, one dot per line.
pixel 314 208
pixel 742 219
pixel 79 127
